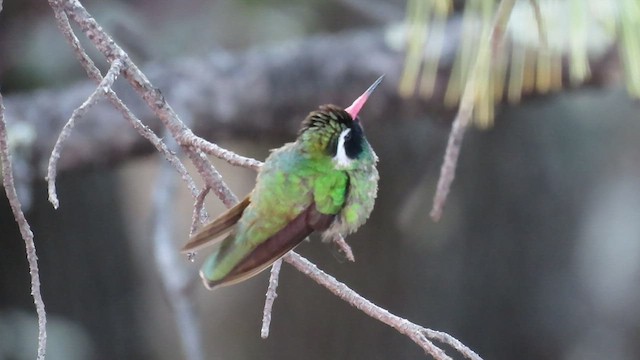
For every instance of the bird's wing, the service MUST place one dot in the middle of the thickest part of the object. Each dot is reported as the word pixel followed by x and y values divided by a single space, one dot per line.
pixel 280 243
pixel 215 231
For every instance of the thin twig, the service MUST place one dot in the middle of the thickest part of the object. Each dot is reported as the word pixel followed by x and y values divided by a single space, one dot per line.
pixel 221 153
pixel 270 298
pixel 25 231
pixel 197 218
pixel 344 247
pixel 448 170
pixel 415 332
pixel 63 24
pixel 103 88
pixel 465 110
pixel 445 338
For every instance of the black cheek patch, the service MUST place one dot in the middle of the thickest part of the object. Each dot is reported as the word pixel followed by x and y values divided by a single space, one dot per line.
pixel 353 144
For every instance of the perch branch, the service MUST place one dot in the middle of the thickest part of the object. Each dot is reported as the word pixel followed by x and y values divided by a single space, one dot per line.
pixel 25 231
pixel 417 333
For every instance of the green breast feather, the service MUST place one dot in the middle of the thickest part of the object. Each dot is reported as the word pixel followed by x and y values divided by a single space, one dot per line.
pixel 361 195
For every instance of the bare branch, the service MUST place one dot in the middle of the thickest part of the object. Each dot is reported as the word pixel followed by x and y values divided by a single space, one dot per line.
pixel 414 332
pixel 448 169
pixel 93 73
pixel 103 88
pixel 465 110
pixel 270 298
pixel 25 231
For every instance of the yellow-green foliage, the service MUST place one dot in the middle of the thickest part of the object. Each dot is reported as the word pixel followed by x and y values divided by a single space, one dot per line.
pixel 538 35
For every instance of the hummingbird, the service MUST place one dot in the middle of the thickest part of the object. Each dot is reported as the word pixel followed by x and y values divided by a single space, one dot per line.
pixel 326 181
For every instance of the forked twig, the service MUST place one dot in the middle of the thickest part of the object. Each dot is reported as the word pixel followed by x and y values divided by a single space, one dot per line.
pixel 103 88
pixel 25 231
pixel 93 73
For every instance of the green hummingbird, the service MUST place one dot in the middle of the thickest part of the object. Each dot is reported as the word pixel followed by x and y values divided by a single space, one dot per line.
pixel 325 181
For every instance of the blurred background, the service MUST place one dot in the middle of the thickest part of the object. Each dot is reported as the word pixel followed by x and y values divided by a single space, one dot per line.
pixel 537 255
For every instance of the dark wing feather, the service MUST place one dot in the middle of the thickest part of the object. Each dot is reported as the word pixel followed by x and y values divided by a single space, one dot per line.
pixel 215 231
pixel 277 246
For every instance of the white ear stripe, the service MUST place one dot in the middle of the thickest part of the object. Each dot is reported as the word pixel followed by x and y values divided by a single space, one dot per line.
pixel 341 157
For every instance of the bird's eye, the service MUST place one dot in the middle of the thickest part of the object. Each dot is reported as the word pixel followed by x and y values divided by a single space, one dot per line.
pixel 347 137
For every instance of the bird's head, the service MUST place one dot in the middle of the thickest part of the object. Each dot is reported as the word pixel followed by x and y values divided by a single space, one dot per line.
pixel 336 132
